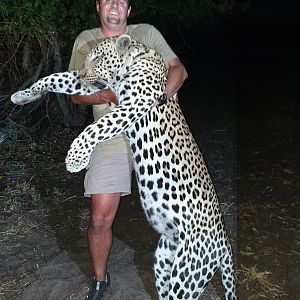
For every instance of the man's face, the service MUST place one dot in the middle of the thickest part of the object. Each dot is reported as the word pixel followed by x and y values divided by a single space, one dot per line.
pixel 113 12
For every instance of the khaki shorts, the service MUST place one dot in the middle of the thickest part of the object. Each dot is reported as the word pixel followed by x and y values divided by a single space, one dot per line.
pixel 108 173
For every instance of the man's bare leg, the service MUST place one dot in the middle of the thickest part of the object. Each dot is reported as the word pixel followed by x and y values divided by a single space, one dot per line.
pixel 103 211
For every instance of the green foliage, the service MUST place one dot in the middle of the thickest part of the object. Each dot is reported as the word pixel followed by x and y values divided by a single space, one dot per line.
pixel 69 17
pixel 82 15
pixel 27 28
pixel 33 22
pixel 32 17
pixel 37 18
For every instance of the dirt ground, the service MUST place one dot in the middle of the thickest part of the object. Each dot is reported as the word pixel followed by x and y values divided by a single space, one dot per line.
pixel 268 184
pixel 251 149
pixel 44 218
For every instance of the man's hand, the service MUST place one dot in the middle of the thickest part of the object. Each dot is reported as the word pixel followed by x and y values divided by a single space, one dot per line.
pixel 102 97
pixel 107 96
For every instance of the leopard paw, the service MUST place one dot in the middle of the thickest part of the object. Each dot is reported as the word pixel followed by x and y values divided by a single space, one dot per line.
pixel 24 97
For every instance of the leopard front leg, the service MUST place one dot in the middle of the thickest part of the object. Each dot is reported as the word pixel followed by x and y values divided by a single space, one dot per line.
pixel 107 127
pixel 69 83
pixel 79 154
pixel 80 151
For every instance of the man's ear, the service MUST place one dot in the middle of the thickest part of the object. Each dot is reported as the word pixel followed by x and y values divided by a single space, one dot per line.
pixel 97 6
pixel 123 43
pixel 128 11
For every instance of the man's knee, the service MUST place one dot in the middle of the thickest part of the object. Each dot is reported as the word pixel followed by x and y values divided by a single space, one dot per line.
pixel 100 223
pixel 103 211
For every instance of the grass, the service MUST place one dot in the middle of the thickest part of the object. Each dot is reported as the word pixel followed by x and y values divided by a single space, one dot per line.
pixel 17 199
pixel 259 283
pixel 225 207
pixel 23 227
pixel 19 196
pixel 266 249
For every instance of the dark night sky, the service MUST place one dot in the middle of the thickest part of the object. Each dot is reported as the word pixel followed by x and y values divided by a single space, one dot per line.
pixel 270 22
pixel 267 26
pixel 261 45
pixel 266 40
pixel 257 53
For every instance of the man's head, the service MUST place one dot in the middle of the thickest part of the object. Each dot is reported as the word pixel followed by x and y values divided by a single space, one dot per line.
pixel 113 15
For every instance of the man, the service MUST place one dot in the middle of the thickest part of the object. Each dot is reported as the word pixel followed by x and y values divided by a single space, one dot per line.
pixel 109 174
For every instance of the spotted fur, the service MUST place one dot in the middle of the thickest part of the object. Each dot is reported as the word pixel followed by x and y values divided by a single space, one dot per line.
pixel 176 191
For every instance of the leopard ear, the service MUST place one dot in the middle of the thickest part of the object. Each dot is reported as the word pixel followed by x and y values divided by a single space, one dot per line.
pixel 123 43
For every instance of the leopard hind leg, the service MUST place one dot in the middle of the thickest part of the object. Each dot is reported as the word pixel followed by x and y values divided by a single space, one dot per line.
pixel 193 268
pixel 164 257
pixel 228 275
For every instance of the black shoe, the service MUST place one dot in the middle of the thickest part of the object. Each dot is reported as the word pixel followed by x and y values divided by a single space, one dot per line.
pixel 98 288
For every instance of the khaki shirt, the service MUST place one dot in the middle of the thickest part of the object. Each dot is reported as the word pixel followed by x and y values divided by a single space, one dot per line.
pixel 88 39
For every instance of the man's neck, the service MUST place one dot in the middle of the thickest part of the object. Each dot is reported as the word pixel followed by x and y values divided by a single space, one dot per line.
pixel 106 32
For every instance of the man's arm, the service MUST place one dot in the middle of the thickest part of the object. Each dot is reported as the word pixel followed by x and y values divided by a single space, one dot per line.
pixel 76 63
pixel 177 74
pixel 102 97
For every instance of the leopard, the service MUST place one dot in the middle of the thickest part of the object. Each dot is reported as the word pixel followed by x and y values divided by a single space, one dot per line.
pixel 175 188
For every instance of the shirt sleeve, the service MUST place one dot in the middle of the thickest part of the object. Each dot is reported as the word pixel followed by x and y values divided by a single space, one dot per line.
pixel 155 40
pixel 82 45
pixel 73 59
